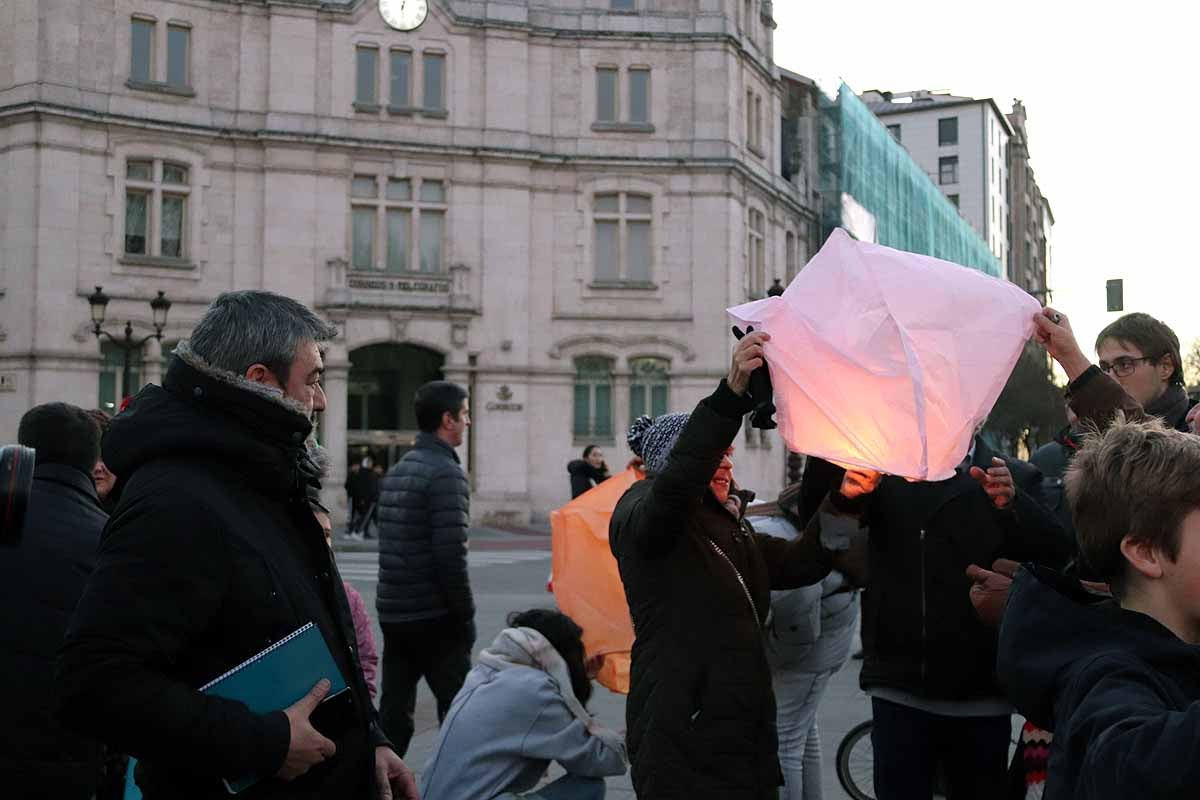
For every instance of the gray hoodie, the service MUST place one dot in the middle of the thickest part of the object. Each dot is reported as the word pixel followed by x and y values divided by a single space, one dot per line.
pixel 501 733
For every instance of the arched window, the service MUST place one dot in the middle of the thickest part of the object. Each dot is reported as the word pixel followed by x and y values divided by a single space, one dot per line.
pixel 648 387
pixel 593 398
pixel 383 379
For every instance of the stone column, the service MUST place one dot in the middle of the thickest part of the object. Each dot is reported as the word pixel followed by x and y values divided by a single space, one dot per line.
pixel 333 421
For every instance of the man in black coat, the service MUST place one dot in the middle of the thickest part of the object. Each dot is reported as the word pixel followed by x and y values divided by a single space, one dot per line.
pixel 929 662
pixel 40 583
pixel 212 555
pixel 424 597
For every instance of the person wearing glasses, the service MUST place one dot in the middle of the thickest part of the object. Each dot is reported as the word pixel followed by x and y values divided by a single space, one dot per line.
pixel 1142 354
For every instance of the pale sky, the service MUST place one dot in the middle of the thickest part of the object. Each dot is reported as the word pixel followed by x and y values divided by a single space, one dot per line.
pixel 1113 120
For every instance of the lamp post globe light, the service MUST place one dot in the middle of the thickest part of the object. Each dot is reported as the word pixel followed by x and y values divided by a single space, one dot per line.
pixel 159 306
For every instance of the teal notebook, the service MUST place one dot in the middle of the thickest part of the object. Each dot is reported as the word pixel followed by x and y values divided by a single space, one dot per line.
pixel 276 678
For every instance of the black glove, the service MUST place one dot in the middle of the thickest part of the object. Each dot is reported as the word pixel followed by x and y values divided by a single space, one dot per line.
pixel 761 392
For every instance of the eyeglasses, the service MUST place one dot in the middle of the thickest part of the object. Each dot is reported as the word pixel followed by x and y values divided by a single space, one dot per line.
pixel 1124 366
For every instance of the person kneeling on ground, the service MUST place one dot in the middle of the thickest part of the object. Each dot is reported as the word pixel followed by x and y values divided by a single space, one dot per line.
pixel 522 706
pixel 1118 683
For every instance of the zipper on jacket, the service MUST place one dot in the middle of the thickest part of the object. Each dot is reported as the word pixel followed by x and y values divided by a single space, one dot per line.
pixel 753 607
pixel 924 646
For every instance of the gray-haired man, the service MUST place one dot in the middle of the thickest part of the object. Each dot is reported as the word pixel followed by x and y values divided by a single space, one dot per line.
pixel 212 555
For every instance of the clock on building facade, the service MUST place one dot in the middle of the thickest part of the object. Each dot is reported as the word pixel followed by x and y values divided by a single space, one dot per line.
pixel 404 15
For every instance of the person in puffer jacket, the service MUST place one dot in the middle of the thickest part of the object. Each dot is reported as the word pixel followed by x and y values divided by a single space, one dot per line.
pixel 424 597
pixel 808 641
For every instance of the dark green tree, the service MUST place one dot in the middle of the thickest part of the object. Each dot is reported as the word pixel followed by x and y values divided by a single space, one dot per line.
pixel 1030 410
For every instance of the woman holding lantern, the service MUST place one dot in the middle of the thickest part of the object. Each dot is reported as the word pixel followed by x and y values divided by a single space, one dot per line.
pixel 701 714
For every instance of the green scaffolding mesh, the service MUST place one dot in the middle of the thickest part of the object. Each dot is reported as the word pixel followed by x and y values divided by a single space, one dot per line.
pixel 859 158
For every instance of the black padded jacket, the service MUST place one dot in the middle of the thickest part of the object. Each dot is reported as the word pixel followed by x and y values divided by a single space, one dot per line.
pixel 424 510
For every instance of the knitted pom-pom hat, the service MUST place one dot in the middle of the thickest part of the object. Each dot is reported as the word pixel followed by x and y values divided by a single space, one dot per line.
pixel 652 439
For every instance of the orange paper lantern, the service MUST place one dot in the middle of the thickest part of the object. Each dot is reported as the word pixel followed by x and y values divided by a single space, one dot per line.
pixel 587 584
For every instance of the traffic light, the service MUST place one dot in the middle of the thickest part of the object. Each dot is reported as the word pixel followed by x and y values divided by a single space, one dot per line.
pixel 1116 295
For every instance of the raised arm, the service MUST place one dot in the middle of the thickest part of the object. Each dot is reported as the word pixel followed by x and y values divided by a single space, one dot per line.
pixel 708 434
pixel 1095 397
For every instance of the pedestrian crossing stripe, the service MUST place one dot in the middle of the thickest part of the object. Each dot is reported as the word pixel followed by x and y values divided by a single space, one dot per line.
pixel 365 566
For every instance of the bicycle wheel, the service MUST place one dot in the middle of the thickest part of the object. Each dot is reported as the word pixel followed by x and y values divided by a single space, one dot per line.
pixel 856 763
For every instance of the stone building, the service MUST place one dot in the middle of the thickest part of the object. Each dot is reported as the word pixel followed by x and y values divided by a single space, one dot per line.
pixel 1029 213
pixel 551 203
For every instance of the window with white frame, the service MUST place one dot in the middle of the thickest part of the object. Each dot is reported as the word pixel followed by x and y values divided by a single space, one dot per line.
pixel 156 208
pixel 397 224
pixel 593 398
pixel 623 5
pixel 628 109
pixel 756 253
pixel 948 170
pixel 144 44
pixel 623 224
pixel 649 384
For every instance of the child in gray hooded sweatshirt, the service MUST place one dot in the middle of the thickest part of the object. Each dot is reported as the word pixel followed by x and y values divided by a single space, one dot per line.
pixel 521 707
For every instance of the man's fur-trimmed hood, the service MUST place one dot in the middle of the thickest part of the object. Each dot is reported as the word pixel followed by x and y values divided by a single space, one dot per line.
pixel 184 352
pixel 187 355
pixel 215 416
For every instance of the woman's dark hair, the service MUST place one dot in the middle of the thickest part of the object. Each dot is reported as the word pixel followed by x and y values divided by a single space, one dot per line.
pixel 564 636
pixel 587 451
pixel 1153 337
pixel 102 418
pixel 61 434
pixel 436 398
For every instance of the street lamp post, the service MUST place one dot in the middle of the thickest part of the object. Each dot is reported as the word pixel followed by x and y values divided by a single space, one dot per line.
pixel 159 307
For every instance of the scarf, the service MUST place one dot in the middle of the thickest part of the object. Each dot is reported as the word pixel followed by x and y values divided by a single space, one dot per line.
pixel 525 647
pixel 1171 407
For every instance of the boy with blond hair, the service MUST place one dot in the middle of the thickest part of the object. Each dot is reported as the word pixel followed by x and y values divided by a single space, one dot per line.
pixel 1117 679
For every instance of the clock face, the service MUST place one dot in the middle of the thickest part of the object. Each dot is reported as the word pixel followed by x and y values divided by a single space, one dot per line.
pixel 404 15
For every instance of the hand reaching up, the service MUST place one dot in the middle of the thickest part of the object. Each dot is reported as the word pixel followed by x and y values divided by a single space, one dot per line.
pixel 1054 333
pixel 997 482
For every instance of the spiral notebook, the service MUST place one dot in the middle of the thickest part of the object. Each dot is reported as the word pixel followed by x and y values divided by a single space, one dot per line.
pixel 276 678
